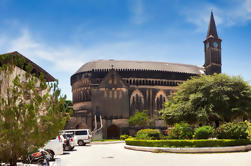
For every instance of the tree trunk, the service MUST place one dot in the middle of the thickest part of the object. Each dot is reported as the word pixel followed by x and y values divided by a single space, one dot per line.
pixel 13 162
pixel 217 124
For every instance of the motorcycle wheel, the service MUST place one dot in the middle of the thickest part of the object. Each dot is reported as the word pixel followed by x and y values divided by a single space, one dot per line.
pixel 51 154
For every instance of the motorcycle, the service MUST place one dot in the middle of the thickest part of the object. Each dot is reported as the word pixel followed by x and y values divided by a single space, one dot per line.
pixel 42 157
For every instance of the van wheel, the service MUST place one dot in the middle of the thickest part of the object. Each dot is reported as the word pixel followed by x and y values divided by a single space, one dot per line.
pixel 81 143
pixel 67 148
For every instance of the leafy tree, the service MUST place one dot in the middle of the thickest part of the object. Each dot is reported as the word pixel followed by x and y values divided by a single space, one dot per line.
pixel 140 119
pixel 207 98
pixel 68 105
pixel 31 111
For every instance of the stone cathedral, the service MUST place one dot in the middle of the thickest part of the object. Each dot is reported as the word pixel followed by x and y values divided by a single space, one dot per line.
pixel 107 92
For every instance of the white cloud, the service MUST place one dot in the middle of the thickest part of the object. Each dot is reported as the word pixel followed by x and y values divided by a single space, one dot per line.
pixel 64 60
pixel 247 5
pixel 234 12
pixel 138 12
pixel 24 42
pixel 200 17
pixel 68 58
pixel 61 57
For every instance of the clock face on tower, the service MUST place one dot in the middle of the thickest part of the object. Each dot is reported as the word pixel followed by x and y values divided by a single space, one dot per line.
pixel 207 45
pixel 215 44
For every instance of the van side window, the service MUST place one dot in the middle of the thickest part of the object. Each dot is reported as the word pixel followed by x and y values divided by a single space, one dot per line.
pixel 81 132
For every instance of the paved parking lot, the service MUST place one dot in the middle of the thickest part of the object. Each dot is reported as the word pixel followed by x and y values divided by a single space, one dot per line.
pixel 115 154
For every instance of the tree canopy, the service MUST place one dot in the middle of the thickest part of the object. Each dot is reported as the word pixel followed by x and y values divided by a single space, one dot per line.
pixel 209 98
pixel 31 111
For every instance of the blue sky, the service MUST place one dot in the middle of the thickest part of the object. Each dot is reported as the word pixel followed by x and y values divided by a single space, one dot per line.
pixel 62 35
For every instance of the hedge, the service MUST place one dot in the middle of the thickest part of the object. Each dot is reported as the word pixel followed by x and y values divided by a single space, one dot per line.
pixel 232 130
pixel 188 143
pixel 123 137
pixel 148 134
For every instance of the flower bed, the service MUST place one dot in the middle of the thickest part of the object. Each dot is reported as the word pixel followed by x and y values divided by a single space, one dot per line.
pixel 188 143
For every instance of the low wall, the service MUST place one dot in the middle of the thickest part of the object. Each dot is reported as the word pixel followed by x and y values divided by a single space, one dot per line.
pixel 191 150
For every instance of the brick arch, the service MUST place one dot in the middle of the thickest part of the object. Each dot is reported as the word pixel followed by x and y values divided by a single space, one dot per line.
pixel 159 99
pixel 136 101
pixel 135 93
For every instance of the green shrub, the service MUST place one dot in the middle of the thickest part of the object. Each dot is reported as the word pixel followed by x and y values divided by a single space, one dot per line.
pixel 180 131
pixel 248 129
pixel 140 118
pixel 148 134
pixel 232 130
pixel 123 137
pixel 188 143
pixel 203 132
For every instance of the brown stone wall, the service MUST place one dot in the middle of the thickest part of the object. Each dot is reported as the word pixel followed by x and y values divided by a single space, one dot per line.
pixel 115 95
pixel 120 122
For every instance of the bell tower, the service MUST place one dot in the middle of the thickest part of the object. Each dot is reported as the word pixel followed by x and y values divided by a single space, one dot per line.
pixel 212 47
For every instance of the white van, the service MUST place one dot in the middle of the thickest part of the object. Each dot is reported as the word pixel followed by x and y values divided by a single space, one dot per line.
pixel 81 136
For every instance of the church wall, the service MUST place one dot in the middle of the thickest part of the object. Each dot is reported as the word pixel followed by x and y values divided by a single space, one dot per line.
pixel 111 97
pixel 109 104
pixel 149 94
pixel 121 122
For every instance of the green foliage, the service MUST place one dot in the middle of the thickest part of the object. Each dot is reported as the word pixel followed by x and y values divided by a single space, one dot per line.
pixel 208 98
pixel 232 130
pixel 188 143
pixel 180 131
pixel 148 134
pixel 123 137
pixel 31 112
pixel 140 119
pixel 248 129
pixel 68 105
pixel 203 132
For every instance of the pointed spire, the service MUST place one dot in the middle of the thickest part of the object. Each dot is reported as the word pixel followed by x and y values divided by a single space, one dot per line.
pixel 212 27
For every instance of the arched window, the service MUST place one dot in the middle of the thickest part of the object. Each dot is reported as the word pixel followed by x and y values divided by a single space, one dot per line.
pixel 136 101
pixel 160 99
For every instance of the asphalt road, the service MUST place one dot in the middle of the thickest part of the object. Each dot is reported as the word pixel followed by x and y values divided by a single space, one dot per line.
pixel 116 155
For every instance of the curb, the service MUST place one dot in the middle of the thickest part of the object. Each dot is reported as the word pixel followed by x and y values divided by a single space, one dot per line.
pixel 191 150
pixel 108 142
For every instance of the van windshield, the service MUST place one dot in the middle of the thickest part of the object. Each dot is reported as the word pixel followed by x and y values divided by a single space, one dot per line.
pixel 84 132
